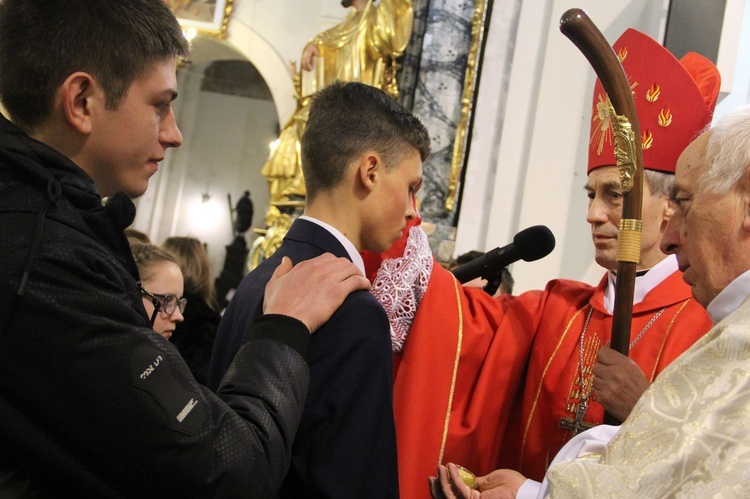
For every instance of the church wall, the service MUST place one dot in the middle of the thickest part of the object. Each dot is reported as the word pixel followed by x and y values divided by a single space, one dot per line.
pixel 538 172
pixel 271 33
pixel 226 158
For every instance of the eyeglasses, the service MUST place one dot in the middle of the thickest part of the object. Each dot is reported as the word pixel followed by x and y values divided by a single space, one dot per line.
pixel 164 303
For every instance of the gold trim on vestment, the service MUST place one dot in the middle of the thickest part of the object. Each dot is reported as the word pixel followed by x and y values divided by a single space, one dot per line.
pixel 455 372
pixel 664 340
pixel 544 375
pixel 554 354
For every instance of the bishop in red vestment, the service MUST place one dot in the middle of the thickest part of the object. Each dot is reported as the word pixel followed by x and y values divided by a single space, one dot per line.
pixel 488 382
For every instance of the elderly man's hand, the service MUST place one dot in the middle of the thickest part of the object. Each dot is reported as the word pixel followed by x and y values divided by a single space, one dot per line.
pixel 618 382
pixel 500 484
pixel 312 290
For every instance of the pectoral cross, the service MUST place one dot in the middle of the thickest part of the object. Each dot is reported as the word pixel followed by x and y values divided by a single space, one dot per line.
pixel 577 425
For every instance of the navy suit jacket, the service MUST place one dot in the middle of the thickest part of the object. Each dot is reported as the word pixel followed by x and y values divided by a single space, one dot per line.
pixel 346 443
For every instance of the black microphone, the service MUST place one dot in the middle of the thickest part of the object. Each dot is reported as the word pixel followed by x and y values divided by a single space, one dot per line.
pixel 528 245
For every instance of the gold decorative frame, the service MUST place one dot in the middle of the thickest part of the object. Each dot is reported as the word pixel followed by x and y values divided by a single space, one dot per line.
pixel 458 158
pixel 206 17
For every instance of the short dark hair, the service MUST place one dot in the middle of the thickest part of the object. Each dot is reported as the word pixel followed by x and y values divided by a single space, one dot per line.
pixel 465 258
pixel 42 42
pixel 347 119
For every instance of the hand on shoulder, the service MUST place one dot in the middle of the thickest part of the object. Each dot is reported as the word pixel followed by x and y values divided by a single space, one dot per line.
pixel 312 290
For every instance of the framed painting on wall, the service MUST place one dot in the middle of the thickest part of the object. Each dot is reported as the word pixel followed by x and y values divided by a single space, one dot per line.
pixel 209 17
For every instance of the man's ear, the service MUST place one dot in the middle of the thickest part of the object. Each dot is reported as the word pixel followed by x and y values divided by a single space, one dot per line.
pixel 76 93
pixel 369 166
pixel 668 211
pixel 666 215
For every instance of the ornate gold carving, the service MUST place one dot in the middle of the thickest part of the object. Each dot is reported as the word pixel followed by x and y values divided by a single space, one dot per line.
pixel 225 21
pixel 624 142
pixel 467 100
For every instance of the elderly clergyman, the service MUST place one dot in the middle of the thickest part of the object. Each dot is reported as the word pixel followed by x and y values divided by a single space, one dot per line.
pixel 689 432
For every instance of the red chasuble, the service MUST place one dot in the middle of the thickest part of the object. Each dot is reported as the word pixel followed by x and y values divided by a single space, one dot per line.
pixel 464 392
pixel 456 379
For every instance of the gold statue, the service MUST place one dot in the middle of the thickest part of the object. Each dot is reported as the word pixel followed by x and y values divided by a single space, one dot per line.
pixel 363 47
pixel 278 224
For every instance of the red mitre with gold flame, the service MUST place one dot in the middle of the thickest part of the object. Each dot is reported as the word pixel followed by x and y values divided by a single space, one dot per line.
pixel 675 101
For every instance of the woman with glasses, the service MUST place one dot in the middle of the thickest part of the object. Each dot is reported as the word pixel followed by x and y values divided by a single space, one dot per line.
pixel 161 287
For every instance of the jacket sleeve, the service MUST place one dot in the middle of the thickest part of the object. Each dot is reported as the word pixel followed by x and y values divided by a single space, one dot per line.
pixel 348 435
pixel 92 397
pixel 266 386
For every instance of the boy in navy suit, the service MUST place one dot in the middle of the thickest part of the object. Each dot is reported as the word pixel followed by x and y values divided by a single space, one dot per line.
pixel 362 157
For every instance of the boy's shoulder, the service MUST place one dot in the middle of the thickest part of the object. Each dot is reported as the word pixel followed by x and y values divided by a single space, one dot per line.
pixel 361 308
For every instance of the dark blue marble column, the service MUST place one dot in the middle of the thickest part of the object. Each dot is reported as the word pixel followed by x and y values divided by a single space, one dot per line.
pixel 407 76
pixel 437 102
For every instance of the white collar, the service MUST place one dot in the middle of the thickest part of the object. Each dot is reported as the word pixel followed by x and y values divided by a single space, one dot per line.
pixel 729 298
pixel 643 284
pixel 347 244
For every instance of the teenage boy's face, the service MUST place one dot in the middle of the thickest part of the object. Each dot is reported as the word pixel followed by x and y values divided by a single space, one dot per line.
pixel 127 143
pixel 395 202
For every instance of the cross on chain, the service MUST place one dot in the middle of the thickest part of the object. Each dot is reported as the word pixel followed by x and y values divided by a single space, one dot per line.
pixel 577 425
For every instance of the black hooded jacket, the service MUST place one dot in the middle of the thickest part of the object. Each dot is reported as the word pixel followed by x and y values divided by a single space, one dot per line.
pixel 194 337
pixel 94 402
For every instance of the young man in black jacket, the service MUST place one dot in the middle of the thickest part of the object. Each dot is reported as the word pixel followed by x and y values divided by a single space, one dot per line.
pixel 93 401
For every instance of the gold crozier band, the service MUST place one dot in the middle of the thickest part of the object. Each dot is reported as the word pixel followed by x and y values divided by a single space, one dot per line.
pixel 629 241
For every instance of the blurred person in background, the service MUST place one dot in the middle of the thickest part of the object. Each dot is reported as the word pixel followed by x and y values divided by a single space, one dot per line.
pixel 194 336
